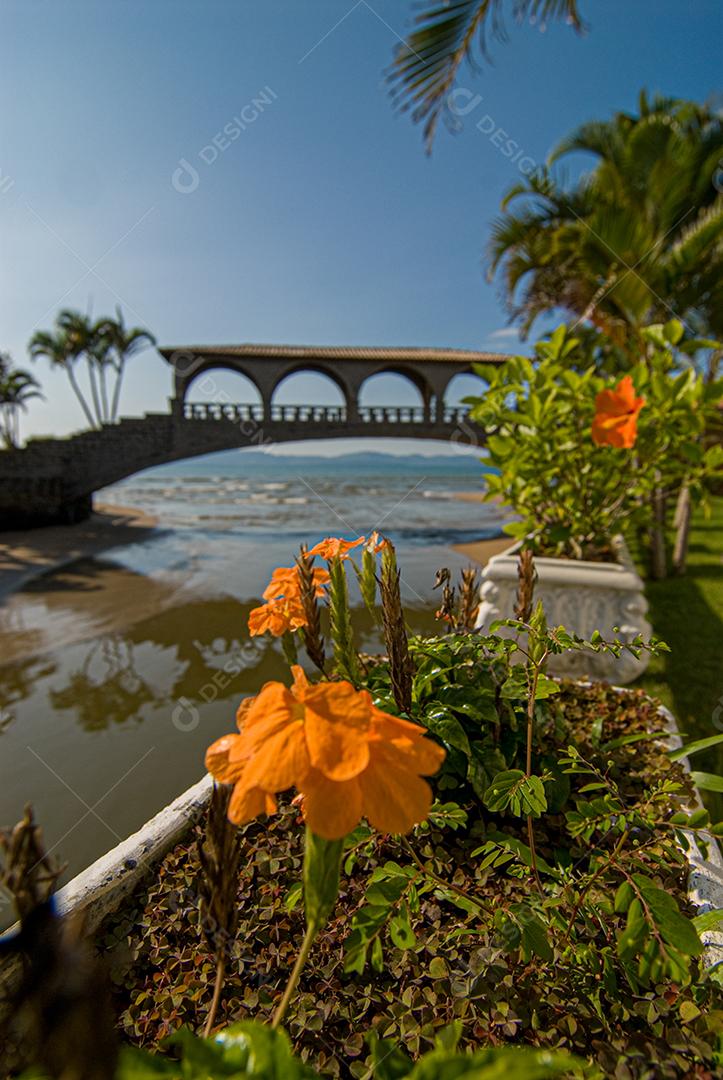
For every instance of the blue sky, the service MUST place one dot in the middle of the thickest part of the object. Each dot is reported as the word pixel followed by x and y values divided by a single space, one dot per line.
pixel 322 221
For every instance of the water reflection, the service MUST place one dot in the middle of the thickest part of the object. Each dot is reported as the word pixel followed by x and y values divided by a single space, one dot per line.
pixel 112 685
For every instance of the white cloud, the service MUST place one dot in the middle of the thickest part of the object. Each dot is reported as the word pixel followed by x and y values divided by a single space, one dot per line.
pixel 505 332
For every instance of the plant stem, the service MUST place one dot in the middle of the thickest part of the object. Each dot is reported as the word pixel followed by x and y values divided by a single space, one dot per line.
pixel 603 866
pixel 528 765
pixel 220 970
pixel 301 959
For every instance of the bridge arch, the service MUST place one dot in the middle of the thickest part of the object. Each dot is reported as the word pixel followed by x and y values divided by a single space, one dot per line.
pixel 204 368
pixel 222 385
pixel 460 386
pixel 343 385
pixel 419 382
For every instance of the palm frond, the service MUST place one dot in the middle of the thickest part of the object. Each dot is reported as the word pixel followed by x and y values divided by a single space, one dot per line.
pixel 701 237
pixel 426 65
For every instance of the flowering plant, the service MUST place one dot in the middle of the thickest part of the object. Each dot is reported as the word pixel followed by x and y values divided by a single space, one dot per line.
pixel 576 459
pixel 566 865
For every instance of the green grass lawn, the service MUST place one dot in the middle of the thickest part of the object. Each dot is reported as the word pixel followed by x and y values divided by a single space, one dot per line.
pixel 687 613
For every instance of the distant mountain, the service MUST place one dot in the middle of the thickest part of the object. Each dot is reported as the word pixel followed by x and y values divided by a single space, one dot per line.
pixel 369 462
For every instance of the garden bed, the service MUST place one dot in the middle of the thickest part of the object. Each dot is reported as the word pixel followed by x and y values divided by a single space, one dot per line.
pixel 455 964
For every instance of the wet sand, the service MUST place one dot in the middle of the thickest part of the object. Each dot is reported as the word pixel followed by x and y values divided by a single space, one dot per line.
pixel 28 554
pixel 481 551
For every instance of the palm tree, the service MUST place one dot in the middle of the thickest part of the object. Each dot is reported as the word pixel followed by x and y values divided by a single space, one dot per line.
pixel 122 342
pixel 16 389
pixel 61 349
pixel 426 65
pixel 89 341
pixel 106 345
pixel 638 240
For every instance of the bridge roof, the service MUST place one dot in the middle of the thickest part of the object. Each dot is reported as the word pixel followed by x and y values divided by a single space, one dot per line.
pixel 396 354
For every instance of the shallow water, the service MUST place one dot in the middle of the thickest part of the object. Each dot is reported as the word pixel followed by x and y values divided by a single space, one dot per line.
pixel 117 672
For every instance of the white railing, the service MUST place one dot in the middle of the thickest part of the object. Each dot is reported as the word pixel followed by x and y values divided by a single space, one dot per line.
pixel 321 414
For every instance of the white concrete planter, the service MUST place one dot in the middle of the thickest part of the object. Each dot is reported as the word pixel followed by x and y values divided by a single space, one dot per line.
pixel 100 890
pixel 582 597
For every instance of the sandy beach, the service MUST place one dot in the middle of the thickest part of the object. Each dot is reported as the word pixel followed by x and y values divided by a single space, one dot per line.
pixel 26 555
pixel 480 551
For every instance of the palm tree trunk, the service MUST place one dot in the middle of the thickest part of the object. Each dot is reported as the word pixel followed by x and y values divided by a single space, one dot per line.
pixel 683 511
pixel 94 390
pixel 103 393
pixel 658 562
pixel 79 395
pixel 117 390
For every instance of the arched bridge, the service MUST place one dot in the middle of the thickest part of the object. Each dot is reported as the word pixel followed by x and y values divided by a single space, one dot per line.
pixel 53 479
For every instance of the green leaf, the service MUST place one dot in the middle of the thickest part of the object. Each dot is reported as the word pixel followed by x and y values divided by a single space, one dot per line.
pixel 257 1048
pixel 517 793
pixel 707 781
pixel 623 898
pixel 448 816
pixel 294 896
pixel 695 747
pixel 377 956
pixel 401 933
pixel 516 686
pixel 447 728
pixel 246 1048
pixel 438 968
pixel 322 863
pixel 674 928
pixel 709 920
pixel 496 1063
pixel 389 1061
pixel 447 1038
pixel 534 941
pixel 632 938
pixel 133 1064
pixel 546 687
pixel 641 736
pixel 689 1011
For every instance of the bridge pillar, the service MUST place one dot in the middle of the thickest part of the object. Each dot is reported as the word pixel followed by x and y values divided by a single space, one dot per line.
pixel 427 395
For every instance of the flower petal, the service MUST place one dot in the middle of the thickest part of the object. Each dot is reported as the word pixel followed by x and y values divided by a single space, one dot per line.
pixel 407 744
pixel 274 703
pixel 220 764
pixel 242 712
pixel 337 721
pixel 246 803
pixel 281 760
pixel 331 809
pixel 300 684
pixel 393 799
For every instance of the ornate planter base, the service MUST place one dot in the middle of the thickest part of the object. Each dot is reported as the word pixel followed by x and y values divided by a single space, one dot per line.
pixel 582 597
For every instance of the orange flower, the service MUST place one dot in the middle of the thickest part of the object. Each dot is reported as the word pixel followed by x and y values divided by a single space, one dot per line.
pixel 285 582
pixel 347 759
pixel 242 710
pixel 616 415
pixel 375 542
pixel 332 547
pixel 276 617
